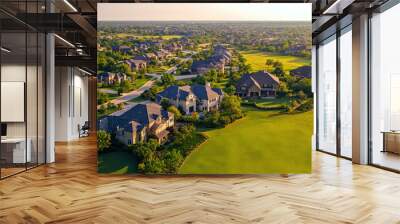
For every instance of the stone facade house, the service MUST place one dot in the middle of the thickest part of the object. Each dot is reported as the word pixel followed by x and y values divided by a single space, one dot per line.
pixel 136 64
pixel 110 78
pixel 257 84
pixel 195 98
pixel 139 123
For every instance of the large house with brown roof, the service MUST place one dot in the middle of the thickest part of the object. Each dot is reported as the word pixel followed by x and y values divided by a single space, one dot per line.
pixel 136 64
pixel 257 84
pixel 192 98
pixel 110 78
pixel 139 123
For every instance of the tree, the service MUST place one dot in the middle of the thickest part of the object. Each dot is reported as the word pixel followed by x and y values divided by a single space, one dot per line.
pixel 301 95
pixel 172 159
pixel 120 106
pixel 125 86
pixel 230 106
pixel 195 116
pixel 276 64
pixel 201 80
pixel 103 140
pixel 102 109
pixel 175 111
pixel 282 90
pixel 269 62
pixel 278 71
pixel 167 79
pixel 211 75
pixel 165 103
pixel 152 165
pixel 145 150
pixel 211 119
pixel 230 90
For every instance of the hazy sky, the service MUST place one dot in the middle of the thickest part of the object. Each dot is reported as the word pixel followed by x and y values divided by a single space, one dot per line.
pixel 204 11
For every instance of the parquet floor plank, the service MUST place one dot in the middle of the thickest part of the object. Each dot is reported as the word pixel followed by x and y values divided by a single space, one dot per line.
pixel 71 191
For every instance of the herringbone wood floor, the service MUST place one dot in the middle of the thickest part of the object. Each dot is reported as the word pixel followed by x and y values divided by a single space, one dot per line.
pixel 70 191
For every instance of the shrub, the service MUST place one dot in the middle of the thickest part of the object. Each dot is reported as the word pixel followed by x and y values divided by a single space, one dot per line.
pixel 307 105
pixel 145 150
pixel 224 120
pixel 231 106
pixel 152 165
pixel 103 140
pixel 172 159
pixel 211 119
pixel 175 111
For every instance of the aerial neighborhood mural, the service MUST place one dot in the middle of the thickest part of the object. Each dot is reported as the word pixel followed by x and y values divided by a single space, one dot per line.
pixel 204 96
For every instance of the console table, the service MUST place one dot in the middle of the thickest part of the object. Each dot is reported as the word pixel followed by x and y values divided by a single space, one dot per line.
pixel 391 141
pixel 13 150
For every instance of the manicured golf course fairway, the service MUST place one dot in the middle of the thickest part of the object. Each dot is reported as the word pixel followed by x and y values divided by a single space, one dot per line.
pixel 257 60
pixel 262 142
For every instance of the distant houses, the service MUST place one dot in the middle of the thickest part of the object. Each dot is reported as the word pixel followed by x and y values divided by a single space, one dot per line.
pixel 174 47
pixel 110 78
pixel 192 98
pixel 123 49
pixel 257 84
pixel 139 123
pixel 218 61
pixel 302 72
pixel 136 64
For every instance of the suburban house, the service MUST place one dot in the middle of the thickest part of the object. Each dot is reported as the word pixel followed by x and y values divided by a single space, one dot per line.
pixel 139 123
pixel 148 44
pixel 192 98
pixel 123 49
pixel 302 72
pixel 257 84
pixel 110 78
pixel 222 52
pixel 174 47
pixel 136 64
pixel 151 56
pixel 218 60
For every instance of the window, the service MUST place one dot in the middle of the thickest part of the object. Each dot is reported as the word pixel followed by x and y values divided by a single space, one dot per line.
pixel 385 89
pixel 327 95
pixel 346 92
pixel 22 65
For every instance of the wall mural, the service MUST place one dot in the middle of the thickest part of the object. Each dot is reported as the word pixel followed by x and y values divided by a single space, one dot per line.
pixel 204 88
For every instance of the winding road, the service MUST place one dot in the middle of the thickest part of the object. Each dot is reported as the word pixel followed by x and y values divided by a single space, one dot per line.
pixel 130 95
pixel 177 77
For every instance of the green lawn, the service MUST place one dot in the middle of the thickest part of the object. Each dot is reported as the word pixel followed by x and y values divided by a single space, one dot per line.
pixel 271 102
pixel 220 84
pixel 140 82
pixel 257 60
pixel 262 142
pixel 117 162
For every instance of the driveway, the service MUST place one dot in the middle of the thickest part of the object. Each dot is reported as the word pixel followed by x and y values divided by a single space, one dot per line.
pixel 131 95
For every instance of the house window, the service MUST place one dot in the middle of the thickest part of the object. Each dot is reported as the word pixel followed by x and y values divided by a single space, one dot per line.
pixel 129 142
